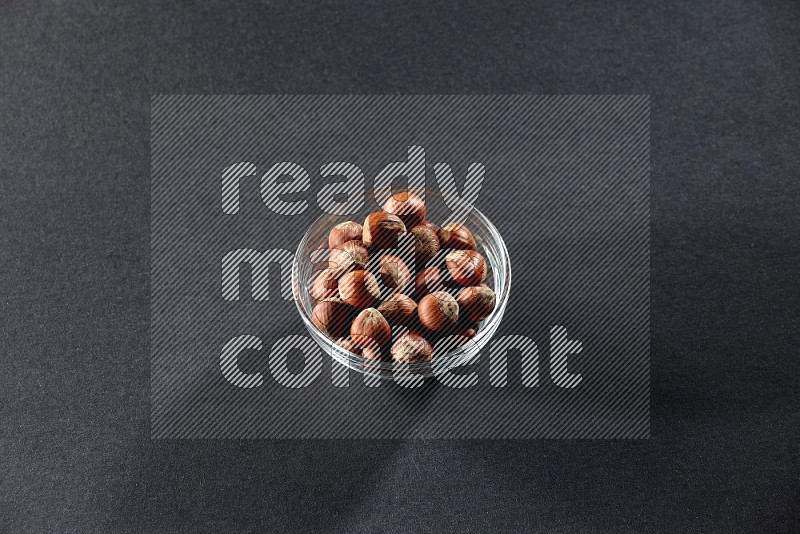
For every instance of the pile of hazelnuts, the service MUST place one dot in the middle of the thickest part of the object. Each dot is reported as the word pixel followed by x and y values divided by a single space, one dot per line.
pixel 367 301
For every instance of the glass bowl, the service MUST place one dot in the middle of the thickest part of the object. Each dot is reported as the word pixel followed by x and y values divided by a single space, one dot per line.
pixel 313 248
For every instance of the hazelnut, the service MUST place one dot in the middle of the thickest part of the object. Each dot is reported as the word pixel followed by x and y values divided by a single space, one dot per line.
pixel 461 335
pixel 470 331
pixel 433 226
pixel 476 302
pixel 370 325
pixel 398 309
pixel 344 232
pixel 332 317
pixel 382 230
pixel 438 311
pixel 427 281
pixel 359 289
pixel 394 272
pixel 457 236
pixel 370 350
pixel 350 255
pixel 347 344
pixel 467 267
pixel 411 347
pixel 325 285
pixel 426 244
pixel 408 206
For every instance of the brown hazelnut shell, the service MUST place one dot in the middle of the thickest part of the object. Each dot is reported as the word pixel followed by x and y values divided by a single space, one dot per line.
pixel 426 244
pixel 394 272
pixel 359 289
pixel 433 226
pixel 370 324
pixel 476 302
pixel 409 207
pixel 468 330
pixel 427 281
pixel 347 344
pixel 411 347
pixel 438 311
pixel 325 285
pixel 457 236
pixel 382 230
pixel 332 317
pixel 460 335
pixel 398 309
pixel 349 256
pixel 344 232
pixel 369 350
pixel 467 267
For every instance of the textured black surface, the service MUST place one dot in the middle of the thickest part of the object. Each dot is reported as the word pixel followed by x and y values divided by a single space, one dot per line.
pixel 566 180
pixel 75 86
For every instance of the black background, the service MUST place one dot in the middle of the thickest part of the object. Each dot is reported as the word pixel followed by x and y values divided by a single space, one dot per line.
pixel 75 86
